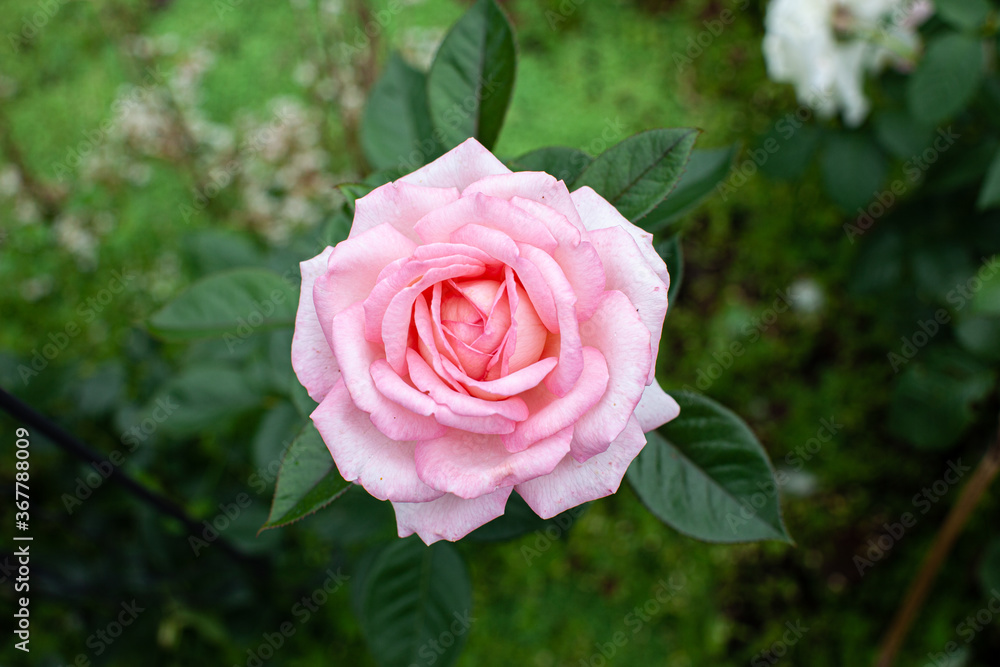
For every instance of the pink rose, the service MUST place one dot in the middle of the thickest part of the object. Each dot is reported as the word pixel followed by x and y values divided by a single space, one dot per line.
pixel 482 331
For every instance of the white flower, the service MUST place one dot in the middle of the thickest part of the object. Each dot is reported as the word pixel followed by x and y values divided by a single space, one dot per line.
pixel 825 48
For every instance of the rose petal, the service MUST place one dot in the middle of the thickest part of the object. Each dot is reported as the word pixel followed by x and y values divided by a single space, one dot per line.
pixel 427 381
pixel 399 204
pixel 512 384
pixel 439 226
pixel 449 517
pixel 550 414
pixel 615 330
pixel 385 467
pixel 355 355
pixel 470 466
pixel 534 185
pixel 597 213
pixel 458 168
pixel 655 408
pixel 573 483
pixel 353 269
pixel 312 358
pixel 629 274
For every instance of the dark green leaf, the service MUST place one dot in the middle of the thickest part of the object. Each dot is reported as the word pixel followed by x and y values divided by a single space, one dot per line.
pixel 415 601
pixel 901 134
pixel 964 14
pixel 980 335
pixel 199 399
pixel 673 255
pixel 307 482
pixel 638 173
pixel 277 431
pixel 564 163
pixel 472 77
pixel 986 287
pixel 946 78
pixel 232 304
pixel 989 569
pixel 853 170
pixel 933 400
pixel 706 475
pixel 705 170
pixel 989 196
pixel 353 192
pixel 396 128
pixel 519 519
pixel 790 147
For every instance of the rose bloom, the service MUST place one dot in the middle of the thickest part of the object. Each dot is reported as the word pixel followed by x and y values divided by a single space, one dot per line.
pixel 482 331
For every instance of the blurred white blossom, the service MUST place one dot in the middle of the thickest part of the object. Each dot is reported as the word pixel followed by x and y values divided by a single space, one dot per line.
pixel 826 47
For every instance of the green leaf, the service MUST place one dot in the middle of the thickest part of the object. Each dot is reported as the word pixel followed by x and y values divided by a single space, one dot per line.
pixel 706 475
pixel 638 173
pixel 790 147
pixel 472 78
pixel 989 196
pixel 933 400
pixel 980 335
pixel 414 601
pixel 396 127
pixel 901 134
pixel 673 255
pixel 564 163
pixel 236 303
pixel 946 78
pixel 964 14
pixel 853 170
pixel 307 482
pixel 705 170
pixel 199 399
pixel 986 283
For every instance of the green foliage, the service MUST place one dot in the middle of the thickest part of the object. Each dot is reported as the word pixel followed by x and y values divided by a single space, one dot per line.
pixel 946 78
pixel 396 120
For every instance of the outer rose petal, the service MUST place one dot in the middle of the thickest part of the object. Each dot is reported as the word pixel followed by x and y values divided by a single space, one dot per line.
pixel 597 213
pixel 312 358
pixel 535 185
pixel 458 168
pixel 470 466
pixel 353 269
pixel 449 517
pixel 356 356
pixel 400 205
pixel 656 408
pixel 628 273
pixel 383 466
pixel 573 483
pixel 615 330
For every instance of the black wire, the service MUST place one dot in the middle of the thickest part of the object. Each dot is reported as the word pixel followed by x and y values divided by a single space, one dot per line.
pixel 26 414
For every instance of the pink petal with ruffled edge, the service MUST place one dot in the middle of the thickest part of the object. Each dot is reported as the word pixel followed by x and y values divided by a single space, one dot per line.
pixel 449 517
pixel 400 205
pixel 385 467
pixel 471 466
pixel 535 185
pixel 356 355
pixel 597 213
pixel 439 226
pixel 312 358
pixel 618 332
pixel 573 483
pixel 511 384
pixel 458 168
pixel 550 414
pixel 427 381
pixel 655 408
pixel 353 268
pixel 627 273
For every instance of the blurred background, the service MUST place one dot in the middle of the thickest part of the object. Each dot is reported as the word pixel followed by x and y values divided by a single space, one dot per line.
pixel 146 143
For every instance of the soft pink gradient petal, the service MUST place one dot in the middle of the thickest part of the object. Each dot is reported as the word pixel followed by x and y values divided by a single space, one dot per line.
pixel 385 467
pixel 628 273
pixel 449 517
pixel 656 408
pixel 312 358
pixel 458 168
pixel 427 381
pixel 471 466
pixel 439 226
pixel 534 185
pixel 356 355
pixel 353 269
pixel 550 415
pixel 398 391
pixel 512 384
pixel 573 483
pixel 597 213
pixel 400 205
pixel 618 332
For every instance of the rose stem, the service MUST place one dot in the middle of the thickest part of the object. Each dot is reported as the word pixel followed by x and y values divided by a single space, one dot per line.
pixel 973 492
